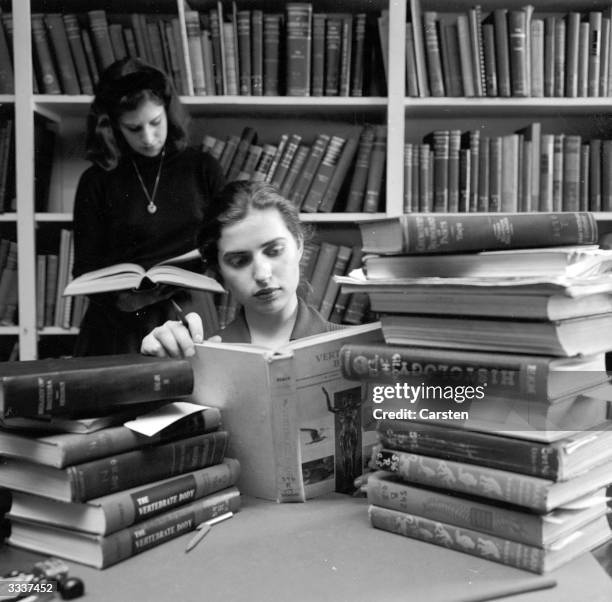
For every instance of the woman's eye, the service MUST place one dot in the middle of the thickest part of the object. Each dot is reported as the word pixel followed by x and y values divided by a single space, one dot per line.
pixel 275 250
pixel 237 261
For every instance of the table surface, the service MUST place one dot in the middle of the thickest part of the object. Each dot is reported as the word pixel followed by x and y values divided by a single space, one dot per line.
pixel 322 550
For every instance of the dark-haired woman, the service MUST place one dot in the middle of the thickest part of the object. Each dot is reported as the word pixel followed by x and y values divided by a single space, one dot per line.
pixel 254 241
pixel 143 200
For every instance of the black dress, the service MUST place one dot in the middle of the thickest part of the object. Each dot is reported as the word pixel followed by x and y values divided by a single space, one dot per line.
pixel 112 225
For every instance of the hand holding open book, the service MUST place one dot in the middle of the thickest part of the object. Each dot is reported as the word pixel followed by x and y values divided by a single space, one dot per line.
pixel 122 276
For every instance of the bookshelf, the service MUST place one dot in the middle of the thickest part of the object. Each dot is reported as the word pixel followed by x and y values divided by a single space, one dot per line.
pixel 407 119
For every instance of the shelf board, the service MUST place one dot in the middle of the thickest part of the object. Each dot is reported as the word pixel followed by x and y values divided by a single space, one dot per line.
pixel 9 216
pixel 9 330
pixel 491 107
pixel 7 98
pixel 57 330
pixel 339 217
pixel 53 217
pixel 56 106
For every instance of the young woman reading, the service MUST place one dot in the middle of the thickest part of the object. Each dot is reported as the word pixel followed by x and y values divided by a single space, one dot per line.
pixel 254 240
pixel 142 201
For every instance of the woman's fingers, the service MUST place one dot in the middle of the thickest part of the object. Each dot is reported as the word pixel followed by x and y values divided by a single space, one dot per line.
pixel 171 339
pixel 196 328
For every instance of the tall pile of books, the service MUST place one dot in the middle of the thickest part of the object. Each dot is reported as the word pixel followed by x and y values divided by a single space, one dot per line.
pixel 491 389
pixel 105 457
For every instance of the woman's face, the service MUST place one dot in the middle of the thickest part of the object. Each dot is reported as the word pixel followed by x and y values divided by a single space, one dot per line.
pixel 145 129
pixel 259 260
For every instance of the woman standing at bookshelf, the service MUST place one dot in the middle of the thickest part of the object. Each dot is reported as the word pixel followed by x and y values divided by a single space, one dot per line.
pixel 143 200
pixel 254 241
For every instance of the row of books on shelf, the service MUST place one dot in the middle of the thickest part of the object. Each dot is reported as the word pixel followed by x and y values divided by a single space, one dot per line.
pixel 508 53
pixel 7 164
pixel 53 272
pixel 166 455
pixel 8 282
pixel 501 447
pixel 7 83
pixel 227 52
pixel 317 176
pixel 454 171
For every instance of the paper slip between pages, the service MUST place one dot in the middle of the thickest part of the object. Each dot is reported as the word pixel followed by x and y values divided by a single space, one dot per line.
pixel 151 423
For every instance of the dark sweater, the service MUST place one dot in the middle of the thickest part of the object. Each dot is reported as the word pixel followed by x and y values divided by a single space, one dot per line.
pixel 112 225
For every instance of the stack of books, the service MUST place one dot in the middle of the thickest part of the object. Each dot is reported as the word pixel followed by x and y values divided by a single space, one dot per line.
pixel 106 458
pixel 494 437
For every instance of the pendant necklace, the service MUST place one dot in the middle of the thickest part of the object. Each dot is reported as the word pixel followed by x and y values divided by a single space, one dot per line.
pixel 151 206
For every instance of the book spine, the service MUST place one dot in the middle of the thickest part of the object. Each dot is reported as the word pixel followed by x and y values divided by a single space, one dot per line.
pixel 130 469
pixel 470 541
pixel 47 74
pixel 432 49
pixel 322 272
pixel 59 42
pixel 423 234
pixel 303 182
pixel 360 173
pixel 419 47
pixel 516 456
pixel 7 83
pixel 248 137
pixel 69 388
pixel 135 505
pixel 90 56
pixel 298 48
pixel 294 171
pixel 288 154
pixel 215 37
pixel 517 32
pixel 155 531
pixel 502 51
pixel 73 33
pixel 374 183
pixel 115 31
pixel 333 44
pixel 508 523
pixel 244 52
pixel 490 59
pixel 508 375
pixel 194 46
pixel 338 176
pixel 284 417
pixel 271 54
pixel 115 440
pixel 441 157
pixel 331 291
pixel 359 29
pixel 257 52
pixel 322 176
pixel 98 26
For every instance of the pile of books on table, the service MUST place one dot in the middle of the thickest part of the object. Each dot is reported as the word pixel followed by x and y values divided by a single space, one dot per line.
pixel 105 457
pixel 491 387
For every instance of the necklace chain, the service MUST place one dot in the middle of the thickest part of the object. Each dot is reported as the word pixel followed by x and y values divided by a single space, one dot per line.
pixel 151 206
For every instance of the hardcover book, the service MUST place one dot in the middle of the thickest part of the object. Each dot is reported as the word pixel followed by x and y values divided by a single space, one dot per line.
pixel 116 511
pixel 122 276
pixel 85 385
pixel 498 549
pixel 511 522
pixel 296 424
pixel 584 335
pixel 103 551
pixel 81 482
pixel 576 455
pixel 535 494
pixel 64 449
pixel 459 233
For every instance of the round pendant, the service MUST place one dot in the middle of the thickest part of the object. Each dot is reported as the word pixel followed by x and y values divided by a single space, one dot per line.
pixel 151 207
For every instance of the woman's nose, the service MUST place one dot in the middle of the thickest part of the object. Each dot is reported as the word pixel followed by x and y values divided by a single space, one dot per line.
pixel 262 271
pixel 148 135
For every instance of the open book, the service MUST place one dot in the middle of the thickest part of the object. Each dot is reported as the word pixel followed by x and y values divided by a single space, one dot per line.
pixel 298 428
pixel 123 276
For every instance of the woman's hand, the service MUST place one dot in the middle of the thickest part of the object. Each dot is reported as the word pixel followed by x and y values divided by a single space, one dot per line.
pixel 173 339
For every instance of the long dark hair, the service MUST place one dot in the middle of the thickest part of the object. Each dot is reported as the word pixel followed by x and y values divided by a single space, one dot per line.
pixel 123 86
